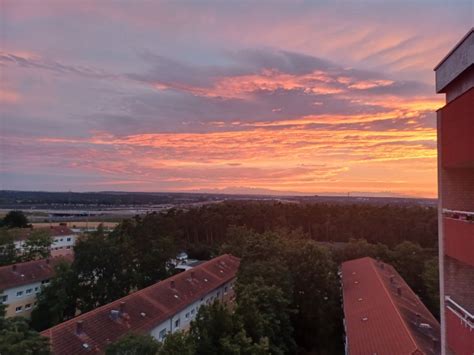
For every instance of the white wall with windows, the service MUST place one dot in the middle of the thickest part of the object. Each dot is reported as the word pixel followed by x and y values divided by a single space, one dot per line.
pixel 182 319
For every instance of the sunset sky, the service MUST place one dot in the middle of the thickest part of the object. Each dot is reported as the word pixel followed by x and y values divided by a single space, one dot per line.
pixel 293 96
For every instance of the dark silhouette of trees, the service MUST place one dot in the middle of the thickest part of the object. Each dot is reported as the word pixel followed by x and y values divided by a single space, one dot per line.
pixel 14 219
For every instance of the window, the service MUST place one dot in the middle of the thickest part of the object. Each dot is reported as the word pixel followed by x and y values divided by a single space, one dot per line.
pixel 19 294
pixel 3 298
pixel 162 334
pixel 44 282
pixel 218 293
pixel 36 289
pixel 61 239
pixel 28 291
pixel 68 247
pixel 18 309
pixel 27 306
pixel 192 311
pixel 225 290
pixel 187 315
pixel 68 239
pixel 176 323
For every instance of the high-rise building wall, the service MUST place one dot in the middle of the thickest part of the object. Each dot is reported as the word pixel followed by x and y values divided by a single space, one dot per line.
pixel 455 78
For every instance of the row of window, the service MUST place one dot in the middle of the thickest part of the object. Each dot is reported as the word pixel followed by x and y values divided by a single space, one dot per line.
pixel 66 247
pixel 28 291
pixel 67 239
pixel 27 307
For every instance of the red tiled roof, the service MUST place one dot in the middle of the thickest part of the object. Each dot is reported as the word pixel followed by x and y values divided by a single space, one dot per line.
pixel 379 319
pixel 144 309
pixel 53 231
pixel 29 272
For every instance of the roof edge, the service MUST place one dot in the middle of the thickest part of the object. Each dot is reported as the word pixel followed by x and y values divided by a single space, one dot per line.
pixel 454 48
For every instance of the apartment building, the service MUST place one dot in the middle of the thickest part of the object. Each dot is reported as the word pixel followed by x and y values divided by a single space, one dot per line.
pixel 382 315
pixel 165 307
pixel 455 78
pixel 20 284
pixel 63 238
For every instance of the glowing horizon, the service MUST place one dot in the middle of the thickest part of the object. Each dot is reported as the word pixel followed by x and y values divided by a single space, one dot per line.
pixel 284 96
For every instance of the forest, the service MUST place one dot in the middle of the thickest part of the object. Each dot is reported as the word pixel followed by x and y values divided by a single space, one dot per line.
pixel 287 296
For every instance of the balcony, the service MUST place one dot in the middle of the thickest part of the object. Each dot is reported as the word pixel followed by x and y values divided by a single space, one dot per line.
pixel 459 235
pixel 459 328
pixel 457 130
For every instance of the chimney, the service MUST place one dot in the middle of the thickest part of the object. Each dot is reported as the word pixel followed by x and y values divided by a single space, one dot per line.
pixel 172 285
pixel 114 314
pixel 122 308
pixel 418 319
pixel 399 291
pixel 79 327
pixel 14 267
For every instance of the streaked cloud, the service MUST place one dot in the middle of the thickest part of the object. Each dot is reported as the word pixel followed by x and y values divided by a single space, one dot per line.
pixel 309 97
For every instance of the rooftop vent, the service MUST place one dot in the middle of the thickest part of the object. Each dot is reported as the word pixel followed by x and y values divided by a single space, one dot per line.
pixel 399 291
pixel 425 326
pixel 122 308
pixel 85 346
pixel 143 314
pixel 79 327
pixel 176 296
pixel 205 280
pixel 360 299
pixel 365 319
pixel 114 314
pixel 356 282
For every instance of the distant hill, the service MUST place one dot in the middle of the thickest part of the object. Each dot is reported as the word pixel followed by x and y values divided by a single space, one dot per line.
pixel 109 199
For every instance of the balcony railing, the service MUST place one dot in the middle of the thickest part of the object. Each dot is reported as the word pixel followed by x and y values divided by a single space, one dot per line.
pixel 464 315
pixel 462 215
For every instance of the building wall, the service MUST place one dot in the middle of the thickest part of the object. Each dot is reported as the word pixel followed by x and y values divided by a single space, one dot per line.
pixel 456 241
pixel 223 294
pixel 28 297
pixel 64 242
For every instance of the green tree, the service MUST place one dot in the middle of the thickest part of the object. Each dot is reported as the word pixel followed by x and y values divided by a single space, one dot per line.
pixel 37 246
pixel 217 331
pixel 265 313
pixel 178 343
pixel 15 219
pixel 8 254
pixel 408 260
pixel 315 296
pixel 57 301
pixel 16 337
pixel 102 275
pixel 430 278
pixel 134 344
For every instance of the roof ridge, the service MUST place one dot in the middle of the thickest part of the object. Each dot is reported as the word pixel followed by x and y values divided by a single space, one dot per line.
pixel 140 292
pixel 394 305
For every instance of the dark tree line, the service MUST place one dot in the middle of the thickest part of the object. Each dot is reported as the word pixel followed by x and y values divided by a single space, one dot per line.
pixel 287 294
pixel 387 224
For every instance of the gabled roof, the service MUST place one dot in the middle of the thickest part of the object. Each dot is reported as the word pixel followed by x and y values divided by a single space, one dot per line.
pixel 382 314
pixel 53 231
pixel 142 310
pixel 29 272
